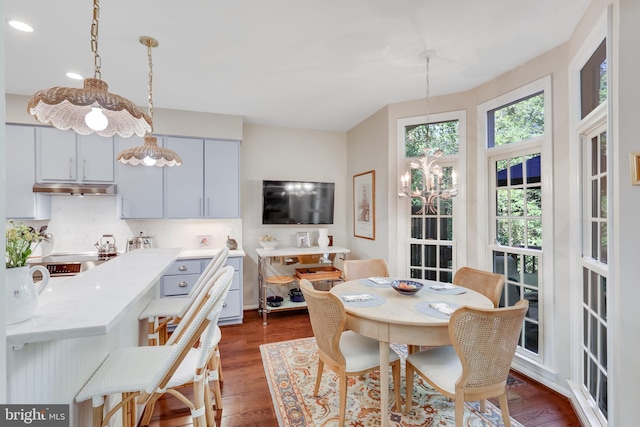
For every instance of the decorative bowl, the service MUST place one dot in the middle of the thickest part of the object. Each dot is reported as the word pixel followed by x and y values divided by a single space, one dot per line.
pixel 269 244
pixel 406 287
pixel 275 301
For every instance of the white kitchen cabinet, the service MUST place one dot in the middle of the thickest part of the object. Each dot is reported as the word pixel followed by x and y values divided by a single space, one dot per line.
pixel 64 156
pixel 22 202
pixel 140 188
pixel 179 279
pixel 207 185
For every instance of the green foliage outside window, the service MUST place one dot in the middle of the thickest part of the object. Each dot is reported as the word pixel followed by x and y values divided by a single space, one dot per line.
pixel 519 121
pixel 433 136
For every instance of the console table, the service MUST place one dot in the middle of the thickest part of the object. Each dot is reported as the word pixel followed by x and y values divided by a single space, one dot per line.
pixel 266 256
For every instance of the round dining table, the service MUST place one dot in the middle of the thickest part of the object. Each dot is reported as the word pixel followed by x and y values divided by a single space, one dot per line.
pixel 376 310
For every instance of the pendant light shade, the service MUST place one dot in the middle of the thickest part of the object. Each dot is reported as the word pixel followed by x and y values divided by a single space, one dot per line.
pixel 92 108
pixel 149 154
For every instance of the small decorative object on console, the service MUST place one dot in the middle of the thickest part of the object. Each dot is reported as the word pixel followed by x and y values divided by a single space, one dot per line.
pixel 267 241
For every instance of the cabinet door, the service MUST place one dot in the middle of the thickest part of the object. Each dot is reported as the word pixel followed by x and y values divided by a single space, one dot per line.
pixel 222 179
pixel 96 160
pixel 184 184
pixel 56 154
pixel 139 188
pixel 22 202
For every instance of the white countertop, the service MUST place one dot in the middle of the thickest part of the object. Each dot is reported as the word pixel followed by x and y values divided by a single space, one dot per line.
pixel 208 253
pixel 91 303
pixel 291 251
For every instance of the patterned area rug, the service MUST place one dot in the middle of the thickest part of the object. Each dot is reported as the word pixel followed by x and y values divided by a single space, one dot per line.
pixel 291 366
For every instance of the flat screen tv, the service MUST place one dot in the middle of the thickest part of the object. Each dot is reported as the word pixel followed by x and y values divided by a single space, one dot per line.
pixel 297 202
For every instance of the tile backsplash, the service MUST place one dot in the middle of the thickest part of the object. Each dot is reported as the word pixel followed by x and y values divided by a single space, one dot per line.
pixel 77 223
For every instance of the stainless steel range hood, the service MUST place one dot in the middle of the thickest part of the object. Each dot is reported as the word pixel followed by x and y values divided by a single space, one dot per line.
pixel 74 189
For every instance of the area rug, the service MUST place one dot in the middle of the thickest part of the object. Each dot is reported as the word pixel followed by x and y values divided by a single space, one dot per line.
pixel 291 366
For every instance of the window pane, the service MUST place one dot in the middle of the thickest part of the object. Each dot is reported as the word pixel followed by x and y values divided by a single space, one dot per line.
pixel 517 202
pixel 533 169
pixel 516 171
pixel 593 80
pixel 434 136
pixel 534 201
pixel 518 121
pixel 431 228
pixel 501 172
pixel 416 228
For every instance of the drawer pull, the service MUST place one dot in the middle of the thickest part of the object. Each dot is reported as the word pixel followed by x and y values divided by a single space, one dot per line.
pixel 224 304
pixel 182 284
pixel 182 268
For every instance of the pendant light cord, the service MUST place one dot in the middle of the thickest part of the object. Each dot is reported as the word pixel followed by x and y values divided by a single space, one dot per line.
pixel 94 40
pixel 150 86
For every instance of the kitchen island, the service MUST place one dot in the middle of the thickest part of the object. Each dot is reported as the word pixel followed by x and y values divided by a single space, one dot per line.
pixel 79 320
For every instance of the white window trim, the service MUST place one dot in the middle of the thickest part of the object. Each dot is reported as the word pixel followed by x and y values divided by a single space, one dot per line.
pixel 403 209
pixel 578 127
pixel 543 364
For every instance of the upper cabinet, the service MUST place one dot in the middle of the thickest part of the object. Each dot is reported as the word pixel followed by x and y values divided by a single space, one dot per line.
pixel 207 184
pixel 140 189
pixel 22 202
pixel 64 156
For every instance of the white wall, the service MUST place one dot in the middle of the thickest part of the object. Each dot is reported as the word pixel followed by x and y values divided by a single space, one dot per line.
pixel 3 341
pixel 288 154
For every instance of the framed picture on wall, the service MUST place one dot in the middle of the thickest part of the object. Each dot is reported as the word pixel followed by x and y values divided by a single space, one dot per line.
pixel 635 167
pixel 364 205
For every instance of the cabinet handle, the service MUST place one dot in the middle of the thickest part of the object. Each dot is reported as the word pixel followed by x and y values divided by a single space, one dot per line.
pixel 84 169
pixel 208 206
pixel 200 211
pixel 182 284
pixel 182 268
pixel 70 168
pixel 224 304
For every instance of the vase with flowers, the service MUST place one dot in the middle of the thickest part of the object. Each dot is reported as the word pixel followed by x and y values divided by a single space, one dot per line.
pixel 21 299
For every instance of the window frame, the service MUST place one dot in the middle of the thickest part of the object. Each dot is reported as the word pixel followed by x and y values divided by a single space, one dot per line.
pixel 485 211
pixel 403 206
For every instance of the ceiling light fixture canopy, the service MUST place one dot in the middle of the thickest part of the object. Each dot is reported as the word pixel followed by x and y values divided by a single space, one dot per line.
pixel 150 153
pixel 92 108
pixel 431 185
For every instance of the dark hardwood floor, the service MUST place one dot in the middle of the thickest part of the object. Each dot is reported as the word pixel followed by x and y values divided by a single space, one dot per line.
pixel 247 402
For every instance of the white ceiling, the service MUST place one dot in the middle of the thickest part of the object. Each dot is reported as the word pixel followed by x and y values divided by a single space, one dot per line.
pixel 317 64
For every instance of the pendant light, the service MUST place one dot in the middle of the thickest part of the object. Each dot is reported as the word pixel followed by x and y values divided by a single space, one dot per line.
pixel 92 108
pixel 432 185
pixel 150 153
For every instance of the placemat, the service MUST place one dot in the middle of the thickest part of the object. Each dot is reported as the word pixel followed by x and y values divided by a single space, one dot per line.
pixel 423 307
pixel 373 284
pixel 375 301
pixel 455 290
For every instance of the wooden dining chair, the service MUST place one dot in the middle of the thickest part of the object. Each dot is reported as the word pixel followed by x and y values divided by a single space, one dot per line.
pixel 347 353
pixel 488 284
pixel 362 268
pixel 476 366
pixel 142 374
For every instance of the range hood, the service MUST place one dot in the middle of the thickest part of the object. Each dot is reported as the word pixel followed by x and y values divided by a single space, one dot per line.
pixel 74 189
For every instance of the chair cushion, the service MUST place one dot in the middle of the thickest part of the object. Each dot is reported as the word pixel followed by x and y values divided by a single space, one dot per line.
pixel 362 353
pixel 440 364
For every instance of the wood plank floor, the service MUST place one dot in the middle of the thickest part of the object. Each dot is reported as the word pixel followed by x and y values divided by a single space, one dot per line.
pixel 245 394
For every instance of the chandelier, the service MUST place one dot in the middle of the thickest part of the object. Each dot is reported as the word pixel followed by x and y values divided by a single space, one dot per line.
pixel 149 154
pixel 92 108
pixel 432 185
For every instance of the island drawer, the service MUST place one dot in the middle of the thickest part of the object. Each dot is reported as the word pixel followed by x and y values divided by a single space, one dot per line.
pixel 179 284
pixel 186 266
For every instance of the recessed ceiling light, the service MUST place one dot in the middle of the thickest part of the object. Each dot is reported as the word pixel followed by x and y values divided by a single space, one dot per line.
pixel 74 76
pixel 20 26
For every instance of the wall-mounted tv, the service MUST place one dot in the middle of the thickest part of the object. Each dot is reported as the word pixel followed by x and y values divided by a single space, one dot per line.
pixel 297 202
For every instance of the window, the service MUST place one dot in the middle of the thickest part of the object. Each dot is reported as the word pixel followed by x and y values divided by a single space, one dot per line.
pixel 430 244
pixel 593 80
pixel 514 132
pixel 520 120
